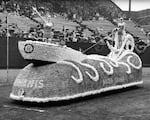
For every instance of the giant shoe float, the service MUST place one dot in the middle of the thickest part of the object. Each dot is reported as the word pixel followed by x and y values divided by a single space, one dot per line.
pixel 67 74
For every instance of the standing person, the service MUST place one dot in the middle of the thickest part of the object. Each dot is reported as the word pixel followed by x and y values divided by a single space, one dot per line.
pixel 97 15
pixel 47 29
pixel 74 16
pixel 48 33
pixel 119 36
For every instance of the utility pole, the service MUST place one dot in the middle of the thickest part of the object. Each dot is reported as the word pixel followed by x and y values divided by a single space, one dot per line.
pixel 129 13
pixel 7 38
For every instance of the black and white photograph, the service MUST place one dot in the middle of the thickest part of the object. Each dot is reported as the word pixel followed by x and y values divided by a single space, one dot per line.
pixel 74 59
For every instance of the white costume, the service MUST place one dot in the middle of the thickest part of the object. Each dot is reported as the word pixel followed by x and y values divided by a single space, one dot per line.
pixel 122 41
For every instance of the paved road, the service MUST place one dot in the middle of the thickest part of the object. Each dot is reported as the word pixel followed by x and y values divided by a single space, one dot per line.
pixel 127 104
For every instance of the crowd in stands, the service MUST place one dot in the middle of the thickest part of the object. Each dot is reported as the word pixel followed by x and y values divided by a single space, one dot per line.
pixel 37 33
pixel 64 35
pixel 70 10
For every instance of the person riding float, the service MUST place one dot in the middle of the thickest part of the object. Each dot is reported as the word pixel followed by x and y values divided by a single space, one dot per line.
pixel 122 41
pixel 47 30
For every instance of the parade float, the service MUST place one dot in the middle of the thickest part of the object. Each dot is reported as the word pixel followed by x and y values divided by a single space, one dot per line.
pixel 64 73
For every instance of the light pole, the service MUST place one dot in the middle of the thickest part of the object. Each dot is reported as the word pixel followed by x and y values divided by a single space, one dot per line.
pixel 7 40
pixel 129 13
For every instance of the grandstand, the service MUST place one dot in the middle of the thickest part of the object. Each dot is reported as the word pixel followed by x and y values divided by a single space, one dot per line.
pixel 87 9
pixel 135 30
pixel 22 23
pixel 106 25
pixel 60 23
pixel 146 28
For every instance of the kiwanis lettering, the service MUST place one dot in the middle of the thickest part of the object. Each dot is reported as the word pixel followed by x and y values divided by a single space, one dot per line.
pixel 111 81
pixel 29 83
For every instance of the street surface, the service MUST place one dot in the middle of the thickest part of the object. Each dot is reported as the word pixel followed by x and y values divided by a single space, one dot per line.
pixel 127 104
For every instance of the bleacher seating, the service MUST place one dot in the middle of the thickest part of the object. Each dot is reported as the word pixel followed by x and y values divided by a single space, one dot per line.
pixel 23 23
pixel 106 9
pixel 104 24
pixel 135 30
pixel 60 23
